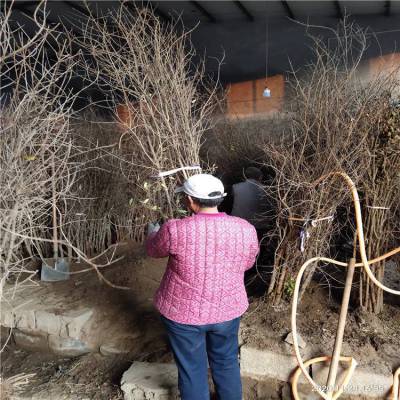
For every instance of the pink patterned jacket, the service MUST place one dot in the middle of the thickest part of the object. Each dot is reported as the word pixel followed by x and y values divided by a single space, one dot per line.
pixel 204 279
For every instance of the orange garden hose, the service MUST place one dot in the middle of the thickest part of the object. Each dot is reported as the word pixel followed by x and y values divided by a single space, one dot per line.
pixel 303 366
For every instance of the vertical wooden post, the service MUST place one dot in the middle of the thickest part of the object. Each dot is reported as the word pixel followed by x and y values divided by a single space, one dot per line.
pixel 333 369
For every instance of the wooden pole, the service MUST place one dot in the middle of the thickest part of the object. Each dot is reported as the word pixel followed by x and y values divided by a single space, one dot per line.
pixel 333 368
pixel 54 207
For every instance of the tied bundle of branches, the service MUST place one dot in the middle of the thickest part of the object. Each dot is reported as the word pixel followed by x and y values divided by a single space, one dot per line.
pixel 39 159
pixel 381 187
pixel 35 145
pixel 147 69
pixel 332 116
pixel 99 208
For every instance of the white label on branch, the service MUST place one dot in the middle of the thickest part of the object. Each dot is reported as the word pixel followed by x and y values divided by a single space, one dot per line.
pixel 174 171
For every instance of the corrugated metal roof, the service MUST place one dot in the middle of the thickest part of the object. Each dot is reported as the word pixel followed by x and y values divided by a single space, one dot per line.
pixel 228 10
pixel 303 9
pixel 237 29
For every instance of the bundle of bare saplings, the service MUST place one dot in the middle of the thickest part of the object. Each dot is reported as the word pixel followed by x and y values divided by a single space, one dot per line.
pixel 164 105
pixel 339 120
pixel 72 183
pixel 36 172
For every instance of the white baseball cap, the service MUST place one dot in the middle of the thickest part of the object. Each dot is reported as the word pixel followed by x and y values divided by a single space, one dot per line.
pixel 202 186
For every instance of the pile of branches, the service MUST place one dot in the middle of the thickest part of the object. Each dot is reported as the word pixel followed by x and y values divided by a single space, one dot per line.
pixel 35 145
pixel 71 185
pixel 381 189
pixel 147 68
pixel 335 121
pixel 99 211
pixel 41 159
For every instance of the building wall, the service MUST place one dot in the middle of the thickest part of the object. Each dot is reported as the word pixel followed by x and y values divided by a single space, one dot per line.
pixel 245 99
pixel 389 63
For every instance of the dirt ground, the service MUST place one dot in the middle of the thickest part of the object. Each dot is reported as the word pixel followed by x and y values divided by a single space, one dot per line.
pixel 86 377
pixel 372 340
pixel 91 376
pixel 94 376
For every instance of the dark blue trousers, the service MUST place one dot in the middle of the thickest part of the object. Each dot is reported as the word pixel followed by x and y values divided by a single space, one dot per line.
pixel 192 345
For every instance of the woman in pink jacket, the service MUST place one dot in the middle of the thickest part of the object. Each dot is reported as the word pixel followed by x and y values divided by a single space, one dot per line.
pixel 202 294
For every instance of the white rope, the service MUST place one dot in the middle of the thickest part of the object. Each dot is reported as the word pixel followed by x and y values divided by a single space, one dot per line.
pixel 378 208
pixel 174 171
pixel 314 222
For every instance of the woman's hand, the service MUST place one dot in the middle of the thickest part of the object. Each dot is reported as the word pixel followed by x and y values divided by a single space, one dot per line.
pixel 152 228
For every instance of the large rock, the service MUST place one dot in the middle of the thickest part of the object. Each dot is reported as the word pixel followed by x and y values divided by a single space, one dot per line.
pixel 267 363
pixel 7 319
pixel 29 341
pixel 82 314
pixel 77 322
pixel 120 344
pixel 39 325
pixel 25 319
pixel 48 323
pixel 67 346
pixel 300 340
pixel 150 381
